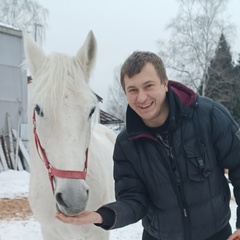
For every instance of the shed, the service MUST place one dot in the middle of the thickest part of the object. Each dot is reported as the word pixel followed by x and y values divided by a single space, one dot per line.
pixel 13 83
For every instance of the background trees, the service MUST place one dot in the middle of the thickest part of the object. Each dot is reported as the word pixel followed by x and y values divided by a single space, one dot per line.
pixel 236 91
pixel 194 36
pixel 117 102
pixel 224 79
pixel 220 85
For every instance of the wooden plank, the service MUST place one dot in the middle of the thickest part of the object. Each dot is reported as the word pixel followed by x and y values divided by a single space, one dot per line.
pixel 3 158
pixel 22 148
pixel 17 158
pixel 11 149
pixel 5 149
pixel 19 164
pixel 1 166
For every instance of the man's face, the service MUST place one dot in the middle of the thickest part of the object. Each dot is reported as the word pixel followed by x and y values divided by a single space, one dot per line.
pixel 146 95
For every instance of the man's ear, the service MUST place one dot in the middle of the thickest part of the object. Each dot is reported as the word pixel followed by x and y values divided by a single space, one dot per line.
pixel 166 85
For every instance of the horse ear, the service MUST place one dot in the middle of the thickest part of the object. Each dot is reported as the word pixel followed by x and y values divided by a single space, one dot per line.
pixel 87 53
pixel 33 53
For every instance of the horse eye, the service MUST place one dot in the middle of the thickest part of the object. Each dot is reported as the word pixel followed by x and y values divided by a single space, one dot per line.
pixel 92 111
pixel 39 111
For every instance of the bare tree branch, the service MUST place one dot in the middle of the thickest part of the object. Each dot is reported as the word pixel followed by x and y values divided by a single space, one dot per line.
pixel 194 37
pixel 117 102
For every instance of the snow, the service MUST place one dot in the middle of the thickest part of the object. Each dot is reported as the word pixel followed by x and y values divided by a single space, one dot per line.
pixel 15 184
pixel 10 27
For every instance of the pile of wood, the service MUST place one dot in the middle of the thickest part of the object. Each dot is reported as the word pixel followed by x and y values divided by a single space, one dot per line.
pixel 13 153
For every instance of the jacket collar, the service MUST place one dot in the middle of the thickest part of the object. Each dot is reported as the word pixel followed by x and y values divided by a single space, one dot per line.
pixel 181 100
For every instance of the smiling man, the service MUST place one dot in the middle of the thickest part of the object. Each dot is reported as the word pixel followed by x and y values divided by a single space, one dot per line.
pixel 169 161
pixel 146 95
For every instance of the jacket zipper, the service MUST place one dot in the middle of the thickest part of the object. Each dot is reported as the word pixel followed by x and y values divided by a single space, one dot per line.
pixel 177 185
pixel 176 177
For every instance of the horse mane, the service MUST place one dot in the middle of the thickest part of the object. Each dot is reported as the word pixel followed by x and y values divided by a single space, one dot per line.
pixel 58 73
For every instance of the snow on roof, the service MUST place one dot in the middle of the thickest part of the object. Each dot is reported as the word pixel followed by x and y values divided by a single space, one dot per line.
pixel 8 26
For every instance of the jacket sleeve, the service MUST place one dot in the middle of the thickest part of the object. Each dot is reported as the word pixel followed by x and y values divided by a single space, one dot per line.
pixel 226 134
pixel 131 199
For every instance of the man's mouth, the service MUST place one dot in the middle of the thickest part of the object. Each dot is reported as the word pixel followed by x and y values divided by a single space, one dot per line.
pixel 145 106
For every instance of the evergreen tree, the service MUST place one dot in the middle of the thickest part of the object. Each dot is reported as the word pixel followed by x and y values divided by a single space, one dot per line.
pixel 220 85
pixel 236 109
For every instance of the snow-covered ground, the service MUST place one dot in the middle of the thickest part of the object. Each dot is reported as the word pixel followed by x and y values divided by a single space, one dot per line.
pixel 15 183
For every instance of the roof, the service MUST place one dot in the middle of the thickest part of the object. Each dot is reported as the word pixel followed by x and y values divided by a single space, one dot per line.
pixel 8 26
pixel 10 30
pixel 106 118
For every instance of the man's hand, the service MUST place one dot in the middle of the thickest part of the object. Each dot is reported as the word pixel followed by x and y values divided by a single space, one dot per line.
pixel 80 219
pixel 235 235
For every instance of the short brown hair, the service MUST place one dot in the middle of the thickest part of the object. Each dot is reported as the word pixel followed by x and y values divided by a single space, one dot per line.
pixel 137 60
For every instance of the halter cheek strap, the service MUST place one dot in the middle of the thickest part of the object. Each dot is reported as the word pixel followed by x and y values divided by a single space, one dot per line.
pixel 54 172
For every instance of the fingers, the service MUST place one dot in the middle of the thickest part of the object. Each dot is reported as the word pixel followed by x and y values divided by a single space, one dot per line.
pixel 66 219
pixel 80 219
pixel 235 235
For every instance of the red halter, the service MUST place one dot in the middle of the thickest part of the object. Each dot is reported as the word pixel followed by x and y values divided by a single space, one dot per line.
pixel 54 171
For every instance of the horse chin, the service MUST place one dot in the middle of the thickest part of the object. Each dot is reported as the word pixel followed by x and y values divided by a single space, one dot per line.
pixel 69 211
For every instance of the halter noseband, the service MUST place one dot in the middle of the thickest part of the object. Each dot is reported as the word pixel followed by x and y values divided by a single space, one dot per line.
pixel 54 172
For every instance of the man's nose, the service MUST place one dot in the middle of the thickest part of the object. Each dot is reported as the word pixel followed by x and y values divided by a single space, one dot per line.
pixel 142 96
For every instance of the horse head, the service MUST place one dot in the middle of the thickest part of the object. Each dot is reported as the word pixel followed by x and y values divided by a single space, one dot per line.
pixel 62 106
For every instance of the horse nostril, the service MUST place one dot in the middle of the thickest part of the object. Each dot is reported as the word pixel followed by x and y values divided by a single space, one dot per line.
pixel 87 191
pixel 60 199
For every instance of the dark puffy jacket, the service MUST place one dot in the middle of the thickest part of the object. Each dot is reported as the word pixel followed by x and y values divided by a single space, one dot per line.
pixel 180 192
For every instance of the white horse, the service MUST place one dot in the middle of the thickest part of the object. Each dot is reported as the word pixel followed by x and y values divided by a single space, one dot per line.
pixel 65 175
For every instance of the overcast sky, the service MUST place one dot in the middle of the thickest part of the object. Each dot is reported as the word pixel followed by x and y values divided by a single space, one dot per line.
pixel 120 27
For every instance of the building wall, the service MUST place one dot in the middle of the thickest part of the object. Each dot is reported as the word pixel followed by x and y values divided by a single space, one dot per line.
pixel 13 81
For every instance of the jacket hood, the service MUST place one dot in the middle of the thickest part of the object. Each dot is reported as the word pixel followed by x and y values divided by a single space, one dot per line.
pixel 180 98
pixel 186 95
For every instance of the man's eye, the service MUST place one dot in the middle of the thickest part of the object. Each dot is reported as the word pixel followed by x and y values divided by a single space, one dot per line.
pixel 132 90
pixel 39 111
